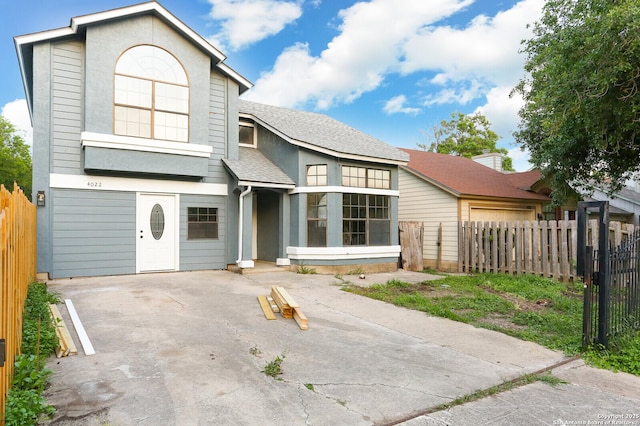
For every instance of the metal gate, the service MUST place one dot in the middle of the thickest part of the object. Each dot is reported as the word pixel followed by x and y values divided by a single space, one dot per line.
pixel 611 278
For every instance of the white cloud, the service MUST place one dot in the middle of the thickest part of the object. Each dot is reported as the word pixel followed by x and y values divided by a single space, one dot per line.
pixel 520 159
pixel 248 21
pixel 396 105
pixel 461 93
pixel 502 111
pixel 486 49
pixel 369 46
pixel 18 114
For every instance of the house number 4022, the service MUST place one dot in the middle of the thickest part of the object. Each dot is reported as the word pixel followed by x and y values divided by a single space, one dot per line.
pixel 94 184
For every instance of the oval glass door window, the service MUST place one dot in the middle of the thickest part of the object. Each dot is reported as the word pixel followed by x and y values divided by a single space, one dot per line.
pixel 156 221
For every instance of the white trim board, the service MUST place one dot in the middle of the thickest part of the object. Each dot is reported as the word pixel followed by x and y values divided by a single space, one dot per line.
pixel 344 190
pixel 110 183
pixel 342 253
pixel 77 324
pixel 129 143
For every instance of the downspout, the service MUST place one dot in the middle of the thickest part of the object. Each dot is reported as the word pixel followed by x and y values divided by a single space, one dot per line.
pixel 240 220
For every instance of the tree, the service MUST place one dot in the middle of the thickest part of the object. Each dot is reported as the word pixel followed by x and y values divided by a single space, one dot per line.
pixel 466 136
pixel 15 159
pixel 581 116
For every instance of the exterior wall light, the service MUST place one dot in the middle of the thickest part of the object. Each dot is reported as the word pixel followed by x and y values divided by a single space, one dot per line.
pixel 40 199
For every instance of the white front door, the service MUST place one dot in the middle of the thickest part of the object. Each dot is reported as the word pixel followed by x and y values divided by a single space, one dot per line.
pixel 157 229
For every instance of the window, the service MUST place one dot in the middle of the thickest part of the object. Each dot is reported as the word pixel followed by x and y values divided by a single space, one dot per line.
pixel 377 178
pixel 366 178
pixel 202 222
pixel 354 176
pixel 247 134
pixel 354 219
pixel 365 220
pixel 151 96
pixel 317 175
pixel 316 220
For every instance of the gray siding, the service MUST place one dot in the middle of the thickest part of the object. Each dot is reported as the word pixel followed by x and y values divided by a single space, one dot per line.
pixel 93 233
pixel 280 152
pixel 206 253
pixel 217 129
pixel 66 106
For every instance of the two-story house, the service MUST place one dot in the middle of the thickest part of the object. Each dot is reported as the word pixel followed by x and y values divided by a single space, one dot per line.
pixel 145 159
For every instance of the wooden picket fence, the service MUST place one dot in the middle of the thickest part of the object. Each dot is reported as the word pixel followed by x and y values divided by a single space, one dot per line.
pixel 17 270
pixel 545 248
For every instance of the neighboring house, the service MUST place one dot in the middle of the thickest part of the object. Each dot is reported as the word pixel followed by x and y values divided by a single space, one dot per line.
pixel 624 205
pixel 145 159
pixel 440 190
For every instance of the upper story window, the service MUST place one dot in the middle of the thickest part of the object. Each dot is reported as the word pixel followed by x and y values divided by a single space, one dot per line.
pixel 151 97
pixel 317 175
pixel 362 177
pixel 247 136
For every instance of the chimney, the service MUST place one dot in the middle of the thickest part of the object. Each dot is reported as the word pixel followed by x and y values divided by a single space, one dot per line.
pixel 492 160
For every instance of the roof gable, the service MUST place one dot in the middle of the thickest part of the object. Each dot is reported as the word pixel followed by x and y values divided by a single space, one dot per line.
pixel 24 43
pixel 464 177
pixel 322 133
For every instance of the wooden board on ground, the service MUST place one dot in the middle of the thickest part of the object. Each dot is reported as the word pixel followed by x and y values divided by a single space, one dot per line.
pixel 285 309
pixel 274 307
pixel 300 318
pixel 266 308
pixel 67 346
pixel 286 297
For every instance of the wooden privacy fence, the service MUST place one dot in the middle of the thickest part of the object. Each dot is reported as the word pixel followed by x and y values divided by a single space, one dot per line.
pixel 17 270
pixel 545 248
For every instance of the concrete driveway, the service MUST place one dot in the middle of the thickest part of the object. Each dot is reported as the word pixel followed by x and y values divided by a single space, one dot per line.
pixel 189 349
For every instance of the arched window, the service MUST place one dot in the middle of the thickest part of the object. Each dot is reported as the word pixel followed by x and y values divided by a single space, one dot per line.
pixel 151 97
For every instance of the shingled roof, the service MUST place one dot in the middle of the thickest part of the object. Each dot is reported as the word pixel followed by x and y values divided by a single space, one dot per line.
pixel 253 168
pixel 322 133
pixel 464 177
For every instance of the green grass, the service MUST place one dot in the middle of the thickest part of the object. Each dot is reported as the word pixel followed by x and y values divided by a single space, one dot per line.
pixel 527 307
pixel 623 354
pixel 25 403
pixel 532 308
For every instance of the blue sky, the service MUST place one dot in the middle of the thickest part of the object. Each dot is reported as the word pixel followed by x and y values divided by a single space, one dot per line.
pixel 391 68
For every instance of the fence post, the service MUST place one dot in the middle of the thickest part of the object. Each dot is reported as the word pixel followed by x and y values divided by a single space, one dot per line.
pixel 587 271
pixel 604 278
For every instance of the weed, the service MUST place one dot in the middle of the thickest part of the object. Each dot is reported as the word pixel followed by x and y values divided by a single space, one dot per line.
pixel 37 319
pixel 623 354
pixel 309 386
pixel 341 281
pixel 358 271
pixel 255 351
pixel 342 402
pixel 302 269
pixel 25 404
pixel 551 380
pixel 507 386
pixel 274 367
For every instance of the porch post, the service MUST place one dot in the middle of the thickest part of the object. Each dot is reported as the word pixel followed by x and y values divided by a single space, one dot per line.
pixel 285 221
pixel 246 229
